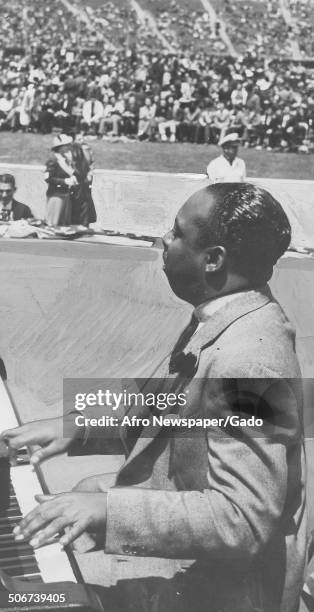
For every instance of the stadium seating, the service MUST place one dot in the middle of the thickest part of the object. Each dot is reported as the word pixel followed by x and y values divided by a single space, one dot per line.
pixel 161 70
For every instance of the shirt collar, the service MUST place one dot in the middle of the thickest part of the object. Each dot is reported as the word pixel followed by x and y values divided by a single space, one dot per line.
pixel 235 161
pixel 207 309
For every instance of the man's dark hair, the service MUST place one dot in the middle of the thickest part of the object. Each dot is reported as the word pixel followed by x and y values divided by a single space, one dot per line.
pixel 7 178
pixel 251 225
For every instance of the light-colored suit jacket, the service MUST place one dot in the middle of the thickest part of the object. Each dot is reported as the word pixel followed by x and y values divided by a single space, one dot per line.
pixel 230 500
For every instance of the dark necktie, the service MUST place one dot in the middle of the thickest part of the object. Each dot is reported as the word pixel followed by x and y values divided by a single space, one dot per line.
pixel 5 214
pixel 179 361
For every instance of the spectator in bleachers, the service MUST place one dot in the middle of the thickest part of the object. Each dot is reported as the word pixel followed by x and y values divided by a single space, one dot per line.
pixel 26 107
pixel 253 101
pixel 130 116
pixel 191 114
pixel 221 121
pixel 6 104
pixel 166 116
pixel 239 96
pixel 92 114
pixel 204 129
pixel 147 123
pixel 112 117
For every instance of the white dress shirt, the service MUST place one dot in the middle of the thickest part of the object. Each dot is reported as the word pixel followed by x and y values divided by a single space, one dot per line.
pixel 219 170
pixel 92 111
pixel 6 212
pixel 204 311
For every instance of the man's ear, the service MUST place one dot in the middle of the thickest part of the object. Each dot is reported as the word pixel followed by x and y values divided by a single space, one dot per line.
pixel 215 259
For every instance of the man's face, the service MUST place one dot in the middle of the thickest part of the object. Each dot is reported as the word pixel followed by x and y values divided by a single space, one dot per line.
pixel 230 151
pixel 6 193
pixel 184 260
pixel 66 151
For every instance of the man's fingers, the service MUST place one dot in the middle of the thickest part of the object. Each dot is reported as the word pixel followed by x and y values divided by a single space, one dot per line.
pixel 17 440
pixel 37 519
pixel 40 455
pixel 42 537
pixel 21 436
pixel 15 443
pixel 73 532
pixel 45 453
pixel 43 498
pixel 10 433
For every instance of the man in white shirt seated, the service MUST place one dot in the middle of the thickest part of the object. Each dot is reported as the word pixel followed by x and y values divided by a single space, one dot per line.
pixel 228 167
pixel 112 117
pixel 6 104
pixel 92 113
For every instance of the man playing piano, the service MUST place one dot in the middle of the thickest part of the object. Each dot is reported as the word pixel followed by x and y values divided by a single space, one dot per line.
pixel 229 499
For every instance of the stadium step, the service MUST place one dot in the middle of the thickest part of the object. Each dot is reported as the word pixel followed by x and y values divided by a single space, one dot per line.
pixel 83 16
pixel 285 10
pixel 223 31
pixel 146 18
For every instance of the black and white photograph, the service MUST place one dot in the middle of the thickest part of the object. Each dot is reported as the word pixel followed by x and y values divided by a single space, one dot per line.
pixel 157 305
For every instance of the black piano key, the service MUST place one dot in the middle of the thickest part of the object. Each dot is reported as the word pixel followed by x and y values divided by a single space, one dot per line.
pixel 13 504
pixel 28 561
pixel 16 558
pixel 30 577
pixel 6 539
pixel 20 569
pixel 12 513
pixel 9 520
pixel 18 564
pixel 16 551
pixel 8 527
pixel 11 508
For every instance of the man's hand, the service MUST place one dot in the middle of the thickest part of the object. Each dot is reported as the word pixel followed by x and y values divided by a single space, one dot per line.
pixel 75 512
pixel 96 484
pixel 47 434
pixel 71 181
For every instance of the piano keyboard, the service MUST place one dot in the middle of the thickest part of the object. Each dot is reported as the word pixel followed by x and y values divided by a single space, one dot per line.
pixel 17 559
pixel 18 486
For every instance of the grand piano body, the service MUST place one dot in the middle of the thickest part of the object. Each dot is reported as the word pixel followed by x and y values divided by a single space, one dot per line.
pixel 105 310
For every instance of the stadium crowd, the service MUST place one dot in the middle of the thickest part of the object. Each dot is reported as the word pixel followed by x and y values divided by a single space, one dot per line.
pixel 77 79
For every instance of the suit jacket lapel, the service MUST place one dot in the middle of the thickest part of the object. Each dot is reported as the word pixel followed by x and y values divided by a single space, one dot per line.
pixel 245 303
pixel 214 326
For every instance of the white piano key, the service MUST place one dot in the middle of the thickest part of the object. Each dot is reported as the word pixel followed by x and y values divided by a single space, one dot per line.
pixel 52 561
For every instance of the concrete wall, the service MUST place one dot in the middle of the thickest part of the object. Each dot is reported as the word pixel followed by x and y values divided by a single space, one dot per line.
pixel 147 202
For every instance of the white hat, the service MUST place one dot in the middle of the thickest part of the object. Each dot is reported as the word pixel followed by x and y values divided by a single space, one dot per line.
pixel 233 137
pixel 60 140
